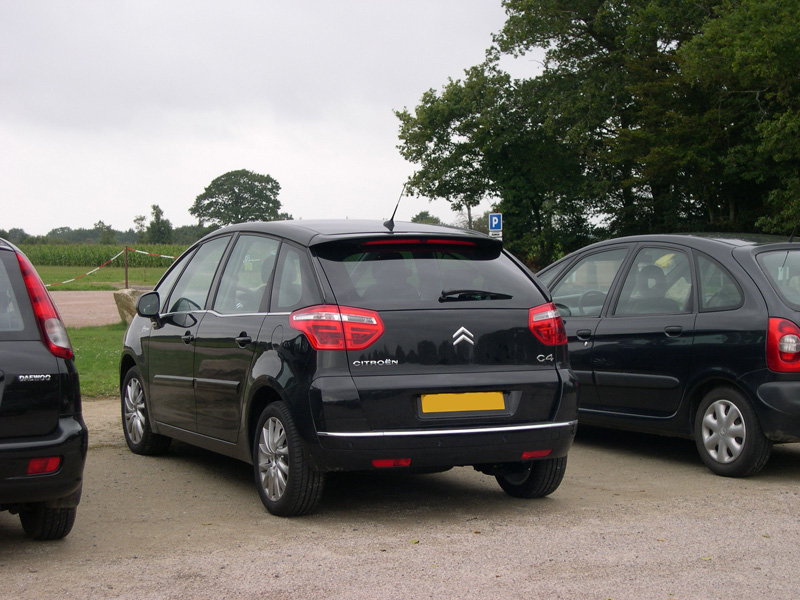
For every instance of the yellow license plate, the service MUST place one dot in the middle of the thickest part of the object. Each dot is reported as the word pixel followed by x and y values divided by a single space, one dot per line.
pixel 469 402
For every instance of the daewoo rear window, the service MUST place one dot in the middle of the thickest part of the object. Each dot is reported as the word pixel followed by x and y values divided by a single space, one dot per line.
pixel 425 273
pixel 16 316
pixel 782 268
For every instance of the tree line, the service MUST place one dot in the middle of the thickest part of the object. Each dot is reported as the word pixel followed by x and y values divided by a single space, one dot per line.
pixel 648 116
pixel 235 197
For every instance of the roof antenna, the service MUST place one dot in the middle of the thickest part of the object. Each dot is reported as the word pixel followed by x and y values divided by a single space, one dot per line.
pixel 791 237
pixel 390 223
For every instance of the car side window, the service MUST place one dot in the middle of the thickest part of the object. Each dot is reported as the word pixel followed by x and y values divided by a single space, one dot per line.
pixel 247 275
pixel 10 313
pixel 165 285
pixel 584 287
pixel 718 288
pixel 295 286
pixel 659 281
pixel 191 290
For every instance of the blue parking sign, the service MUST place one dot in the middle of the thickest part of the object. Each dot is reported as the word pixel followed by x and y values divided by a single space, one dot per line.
pixel 495 221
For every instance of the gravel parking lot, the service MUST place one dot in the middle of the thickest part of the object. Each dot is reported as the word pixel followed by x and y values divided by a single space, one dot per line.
pixel 636 517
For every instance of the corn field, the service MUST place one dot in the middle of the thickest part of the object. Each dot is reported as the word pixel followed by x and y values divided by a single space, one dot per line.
pixel 94 255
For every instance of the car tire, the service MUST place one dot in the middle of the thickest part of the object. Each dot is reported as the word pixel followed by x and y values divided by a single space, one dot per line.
pixel 136 421
pixel 728 435
pixel 286 483
pixel 41 522
pixel 534 479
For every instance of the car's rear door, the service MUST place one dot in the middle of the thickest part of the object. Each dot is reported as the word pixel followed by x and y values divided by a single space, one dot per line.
pixel 228 334
pixel 643 346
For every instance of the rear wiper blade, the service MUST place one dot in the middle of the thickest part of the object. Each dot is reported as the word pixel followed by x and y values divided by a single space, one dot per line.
pixel 456 295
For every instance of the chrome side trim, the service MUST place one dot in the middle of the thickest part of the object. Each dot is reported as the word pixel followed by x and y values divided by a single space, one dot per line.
pixel 226 315
pixel 429 432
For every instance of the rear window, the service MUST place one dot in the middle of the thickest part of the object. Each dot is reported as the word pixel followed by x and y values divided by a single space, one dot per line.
pixel 16 317
pixel 425 273
pixel 782 268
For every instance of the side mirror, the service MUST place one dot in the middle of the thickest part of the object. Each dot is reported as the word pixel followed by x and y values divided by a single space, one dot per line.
pixel 147 305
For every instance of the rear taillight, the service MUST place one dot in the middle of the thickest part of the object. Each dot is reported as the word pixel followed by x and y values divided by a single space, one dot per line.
pixel 54 334
pixel 331 327
pixel 783 346
pixel 546 324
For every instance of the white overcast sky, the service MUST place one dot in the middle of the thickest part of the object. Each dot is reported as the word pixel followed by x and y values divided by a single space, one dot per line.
pixel 110 106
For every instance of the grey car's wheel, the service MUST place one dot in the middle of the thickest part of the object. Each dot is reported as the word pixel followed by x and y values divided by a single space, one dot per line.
pixel 288 486
pixel 728 436
pixel 535 479
pixel 45 523
pixel 135 420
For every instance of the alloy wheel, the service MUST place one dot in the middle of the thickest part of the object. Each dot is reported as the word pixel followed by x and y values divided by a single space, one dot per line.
pixel 273 458
pixel 134 410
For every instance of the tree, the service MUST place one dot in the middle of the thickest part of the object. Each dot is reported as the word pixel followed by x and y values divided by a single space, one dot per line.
pixel 486 136
pixel 140 226
pixel 159 230
pixel 746 62
pixel 238 197
pixel 444 135
pixel 426 217
pixel 105 233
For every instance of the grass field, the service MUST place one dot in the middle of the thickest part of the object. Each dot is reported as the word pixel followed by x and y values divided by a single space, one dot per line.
pixel 107 278
pixel 97 353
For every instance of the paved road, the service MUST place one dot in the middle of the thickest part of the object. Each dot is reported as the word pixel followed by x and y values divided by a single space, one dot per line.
pixel 636 518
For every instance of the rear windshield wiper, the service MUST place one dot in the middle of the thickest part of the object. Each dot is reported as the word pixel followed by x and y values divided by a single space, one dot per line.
pixel 457 295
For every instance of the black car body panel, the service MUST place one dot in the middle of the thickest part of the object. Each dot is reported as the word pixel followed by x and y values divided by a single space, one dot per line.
pixel 212 359
pixel 649 368
pixel 40 404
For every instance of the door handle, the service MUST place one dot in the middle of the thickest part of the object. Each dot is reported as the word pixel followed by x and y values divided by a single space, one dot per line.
pixel 673 330
pixel 187 338
pixel 243 339
pixel 583 334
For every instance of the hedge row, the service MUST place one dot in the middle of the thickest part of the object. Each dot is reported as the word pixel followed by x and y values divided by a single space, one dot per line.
pixel 94 255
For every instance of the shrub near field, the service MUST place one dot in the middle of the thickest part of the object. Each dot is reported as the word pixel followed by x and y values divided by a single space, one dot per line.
pixel 94 255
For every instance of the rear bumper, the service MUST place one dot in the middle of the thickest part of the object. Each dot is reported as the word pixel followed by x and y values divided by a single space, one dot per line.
pixel 62 488
pixel 442 447
pixel 780 411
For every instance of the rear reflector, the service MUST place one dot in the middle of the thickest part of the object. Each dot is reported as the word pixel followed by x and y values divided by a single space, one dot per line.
pixel 536 454
pixel 385 463
pixel 43 465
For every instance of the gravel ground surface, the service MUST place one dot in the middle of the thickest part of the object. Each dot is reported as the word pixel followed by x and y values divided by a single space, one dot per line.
pixel 80 309
pixel 637 517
